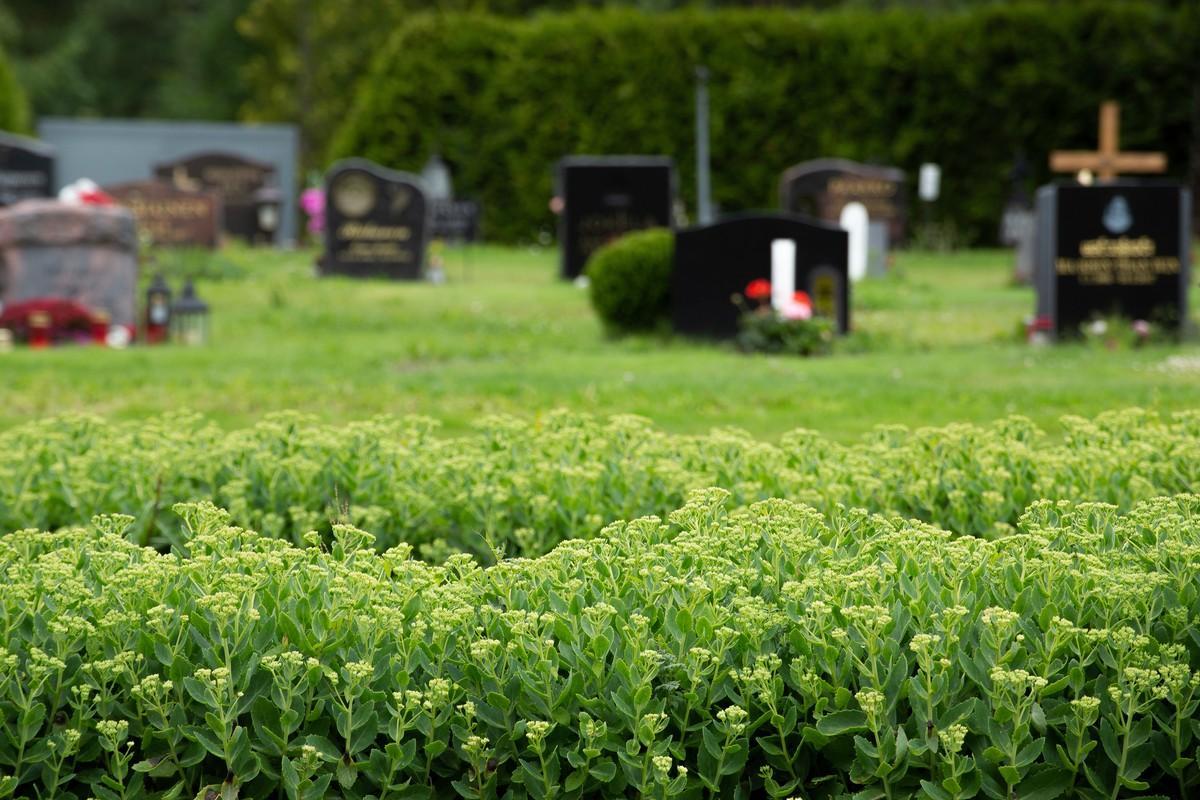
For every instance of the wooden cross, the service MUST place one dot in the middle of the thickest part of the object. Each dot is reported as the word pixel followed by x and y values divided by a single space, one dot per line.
pixel 1108 161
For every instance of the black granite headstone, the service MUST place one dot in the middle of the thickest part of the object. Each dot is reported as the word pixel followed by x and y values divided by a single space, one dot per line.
pixel 715 262
pixel 454 220
pixel 1117 248
pixel 605 197
pixel 376 222
pixel 239 181
pixel 824 186
pixel 26 169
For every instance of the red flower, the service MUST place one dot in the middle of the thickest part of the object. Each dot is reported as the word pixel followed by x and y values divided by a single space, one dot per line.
pixel 758 289
pixel 68 319
pixel 802 299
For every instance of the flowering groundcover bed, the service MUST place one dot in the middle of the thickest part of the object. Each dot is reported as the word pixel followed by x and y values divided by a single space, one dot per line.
pixel 520 487
pixel 762 650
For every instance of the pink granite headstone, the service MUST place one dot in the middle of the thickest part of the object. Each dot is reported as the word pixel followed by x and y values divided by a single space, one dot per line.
pixel 82 253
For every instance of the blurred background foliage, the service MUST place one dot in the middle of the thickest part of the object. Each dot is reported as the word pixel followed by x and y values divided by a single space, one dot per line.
pixel 963 82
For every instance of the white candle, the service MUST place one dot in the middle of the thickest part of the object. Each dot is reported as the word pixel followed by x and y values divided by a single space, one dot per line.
pixel 783 272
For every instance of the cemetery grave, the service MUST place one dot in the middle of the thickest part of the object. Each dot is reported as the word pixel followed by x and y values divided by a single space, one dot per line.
pixel 246 188
pixel 376 222
pixel 604 197
pixel 1118 248
pixel 26 169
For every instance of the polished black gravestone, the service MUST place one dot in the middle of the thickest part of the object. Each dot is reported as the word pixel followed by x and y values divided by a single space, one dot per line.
pixel 241 183
pixel 1117 248
pixel 454 220
pixel 823 187
pixel 376 222
pixel 26 169
pixel 715 262
pixel 605 197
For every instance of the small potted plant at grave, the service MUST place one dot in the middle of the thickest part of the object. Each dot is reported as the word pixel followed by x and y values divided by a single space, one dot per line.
pixel 792 329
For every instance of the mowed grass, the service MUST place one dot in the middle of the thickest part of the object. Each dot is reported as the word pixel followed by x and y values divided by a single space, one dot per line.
pixel 935 342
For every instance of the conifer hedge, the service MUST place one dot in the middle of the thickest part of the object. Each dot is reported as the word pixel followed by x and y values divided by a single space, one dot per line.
pixel 14 107
pixel 503 99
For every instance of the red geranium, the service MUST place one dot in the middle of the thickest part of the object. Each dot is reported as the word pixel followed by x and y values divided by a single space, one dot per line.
pixel 758 289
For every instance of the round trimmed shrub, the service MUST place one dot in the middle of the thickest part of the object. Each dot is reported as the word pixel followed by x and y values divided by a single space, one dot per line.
pixel 630 280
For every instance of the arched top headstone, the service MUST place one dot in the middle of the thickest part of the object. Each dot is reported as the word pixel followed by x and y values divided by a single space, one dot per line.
pixel 822 187
pixel 377 221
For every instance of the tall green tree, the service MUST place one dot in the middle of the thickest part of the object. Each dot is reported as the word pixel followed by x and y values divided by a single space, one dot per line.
pixel 128 58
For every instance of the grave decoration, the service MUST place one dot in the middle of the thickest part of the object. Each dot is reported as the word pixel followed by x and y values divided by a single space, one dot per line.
pixel 83 253
pixel 249 199
pixel 189 317
pixel 605 197
pixel 171 217
pixel 822 188
pixel 1108 161
pixel 377 222
pixel 45 321
pixel 158 311
pixel 26 169
pixel 1116 248
pixel 716 266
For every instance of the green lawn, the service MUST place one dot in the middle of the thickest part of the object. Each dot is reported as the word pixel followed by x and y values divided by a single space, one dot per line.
pixel 935 343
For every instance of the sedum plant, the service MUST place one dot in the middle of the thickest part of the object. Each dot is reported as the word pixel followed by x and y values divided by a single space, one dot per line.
pixel 519 487
pixel 755 651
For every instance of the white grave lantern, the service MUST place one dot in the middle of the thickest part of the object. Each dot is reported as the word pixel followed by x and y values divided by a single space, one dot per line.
pixel 929 182
pixel 783 273
pixel 856 222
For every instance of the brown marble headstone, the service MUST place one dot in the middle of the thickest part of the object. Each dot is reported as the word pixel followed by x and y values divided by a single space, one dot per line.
pixel 171 217
pixel 82 253
pixel 823 187
pixel 235 178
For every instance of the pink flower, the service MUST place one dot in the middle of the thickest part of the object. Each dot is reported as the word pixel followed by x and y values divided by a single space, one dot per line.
pixel 798 307
pixel 312 201
pixel 1141 328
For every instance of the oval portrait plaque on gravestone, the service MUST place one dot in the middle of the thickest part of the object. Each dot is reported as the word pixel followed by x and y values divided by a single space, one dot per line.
pixel 377 222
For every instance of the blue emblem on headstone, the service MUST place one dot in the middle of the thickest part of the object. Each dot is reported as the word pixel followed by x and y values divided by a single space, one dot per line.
pixel 1117 218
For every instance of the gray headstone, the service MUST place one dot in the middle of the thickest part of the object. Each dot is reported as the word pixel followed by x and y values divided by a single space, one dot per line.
pixel 83 253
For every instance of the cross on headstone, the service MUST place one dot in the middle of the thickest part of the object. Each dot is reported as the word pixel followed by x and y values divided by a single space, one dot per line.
pixel 1108 161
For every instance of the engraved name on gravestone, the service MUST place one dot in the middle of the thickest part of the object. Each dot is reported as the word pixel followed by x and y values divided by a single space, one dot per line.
pixel 823 187
pixel 715 262
pixel 1119 248
pixel 26 169
pixel 377 222
pixel 238 181
pixel 605 197
pixel 170 217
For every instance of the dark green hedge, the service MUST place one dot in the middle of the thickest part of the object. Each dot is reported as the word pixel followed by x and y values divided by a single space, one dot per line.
pixel 502 100
pixel 14 107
